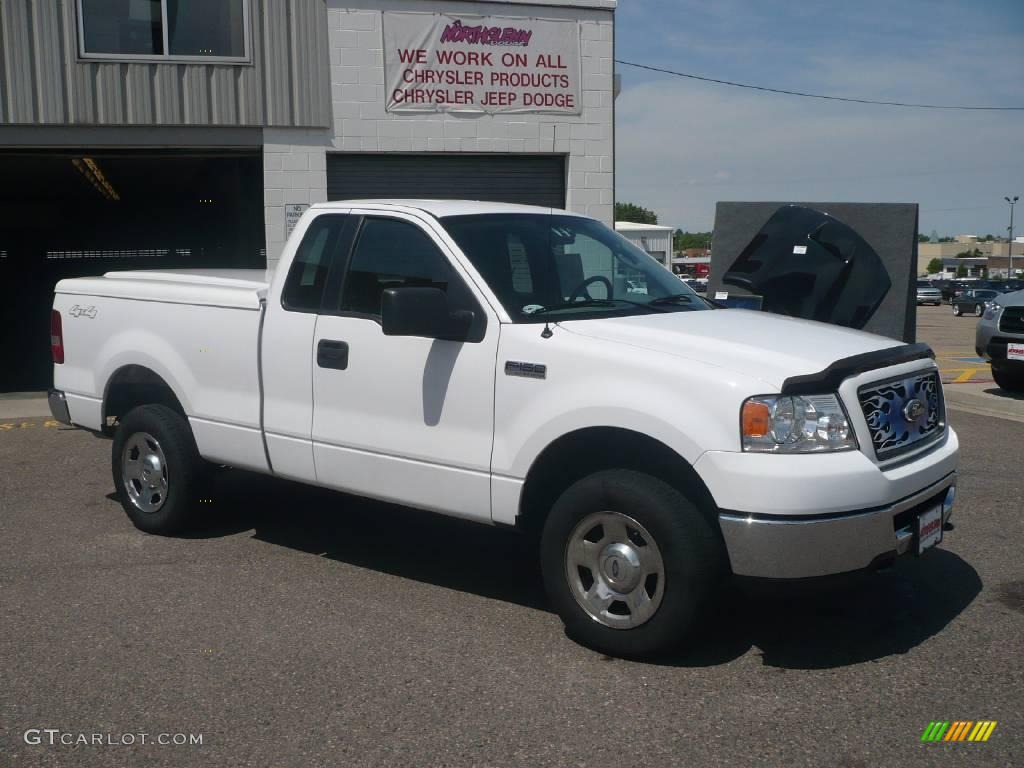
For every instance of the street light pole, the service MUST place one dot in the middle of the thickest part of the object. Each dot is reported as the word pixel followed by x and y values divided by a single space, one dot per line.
pixel 1009 243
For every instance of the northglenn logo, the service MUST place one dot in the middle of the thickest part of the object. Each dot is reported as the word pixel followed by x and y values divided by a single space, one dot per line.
pixel 481 35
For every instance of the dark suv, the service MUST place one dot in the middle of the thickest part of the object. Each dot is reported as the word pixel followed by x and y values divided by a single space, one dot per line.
pixel 1000 340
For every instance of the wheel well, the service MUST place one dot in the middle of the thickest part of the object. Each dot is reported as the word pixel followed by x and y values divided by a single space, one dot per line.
pixel 132 386
pixel 581 453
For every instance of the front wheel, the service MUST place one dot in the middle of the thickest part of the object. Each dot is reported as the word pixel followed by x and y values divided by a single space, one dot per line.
pixel 956 310
pixel 1011 382
pixel 158 473
pixel 628 562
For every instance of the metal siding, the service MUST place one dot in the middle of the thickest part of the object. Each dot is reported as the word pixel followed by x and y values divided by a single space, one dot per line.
pixel 530 179
pixel 3 72
pixel 78 89
pixel 48 50
pixel 311 94
pixel 287 84
pixel 166 99
pixel 17 53
pixel 138 88
pixel 276 48
pixel 249 90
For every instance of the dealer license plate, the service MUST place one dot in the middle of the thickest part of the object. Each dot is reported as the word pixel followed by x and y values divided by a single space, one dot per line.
pixel 929 529
pixel 1015 351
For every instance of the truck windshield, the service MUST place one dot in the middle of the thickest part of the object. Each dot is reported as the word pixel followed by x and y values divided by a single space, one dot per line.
pixel 543 267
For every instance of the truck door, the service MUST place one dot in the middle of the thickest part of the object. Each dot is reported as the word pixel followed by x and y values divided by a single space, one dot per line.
pixel 403 418
pixel 287 342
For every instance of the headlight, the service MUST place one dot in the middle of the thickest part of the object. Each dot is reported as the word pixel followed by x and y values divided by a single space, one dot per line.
pixel 992 311
pixel 807 424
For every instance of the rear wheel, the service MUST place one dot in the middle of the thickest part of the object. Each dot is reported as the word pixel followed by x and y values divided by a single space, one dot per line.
pixel 628 562
pixel 1011 381
pixel 158 473
pixel 978 310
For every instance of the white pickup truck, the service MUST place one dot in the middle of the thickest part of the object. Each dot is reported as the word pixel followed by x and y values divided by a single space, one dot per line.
pixel 524 367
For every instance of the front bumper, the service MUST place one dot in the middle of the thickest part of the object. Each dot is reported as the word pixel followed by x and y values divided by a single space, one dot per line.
pixel 59 406
pixel 993 349
pixel 789 547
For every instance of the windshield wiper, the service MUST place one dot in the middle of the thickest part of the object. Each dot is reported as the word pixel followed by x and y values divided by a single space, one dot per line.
pixel 576 304
pixel 662 300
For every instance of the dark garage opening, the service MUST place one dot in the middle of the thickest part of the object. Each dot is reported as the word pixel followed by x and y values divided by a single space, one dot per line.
pixel 74 213
pixel 527 179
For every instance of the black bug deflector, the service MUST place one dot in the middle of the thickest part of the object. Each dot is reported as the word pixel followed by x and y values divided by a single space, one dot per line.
pixel 829 379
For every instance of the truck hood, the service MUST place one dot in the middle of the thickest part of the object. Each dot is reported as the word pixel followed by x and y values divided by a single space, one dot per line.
pixel 755 344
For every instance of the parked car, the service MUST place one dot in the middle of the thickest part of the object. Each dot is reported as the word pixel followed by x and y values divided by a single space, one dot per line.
pixel 973 301
pixel 950 289
pixel 487 361
pixel 1000 340
pixel 1005 286
pixel 928 294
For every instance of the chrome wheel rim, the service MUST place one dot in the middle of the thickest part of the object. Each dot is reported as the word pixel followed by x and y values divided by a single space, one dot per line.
pixel 144 472
pixel 615 570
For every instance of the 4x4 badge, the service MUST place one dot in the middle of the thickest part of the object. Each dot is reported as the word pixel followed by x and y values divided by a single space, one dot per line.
pixel 77 311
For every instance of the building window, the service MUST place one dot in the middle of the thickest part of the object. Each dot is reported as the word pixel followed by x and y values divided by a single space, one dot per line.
pixel 164 30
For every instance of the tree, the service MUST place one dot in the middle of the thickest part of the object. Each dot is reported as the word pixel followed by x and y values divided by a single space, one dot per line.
pixel 635 213
pixel 945 240
pixel 682 240
pixel 934 266
pixel 961 271
pixel 923 238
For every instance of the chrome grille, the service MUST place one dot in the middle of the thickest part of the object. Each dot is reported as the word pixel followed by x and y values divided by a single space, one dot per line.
pixel 903 413
pixel 1012 320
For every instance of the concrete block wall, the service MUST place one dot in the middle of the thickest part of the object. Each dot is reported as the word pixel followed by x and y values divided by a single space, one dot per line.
pixel 295 160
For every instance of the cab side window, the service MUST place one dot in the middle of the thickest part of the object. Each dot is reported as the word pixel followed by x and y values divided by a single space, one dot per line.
pixel 391 254
pixel 307 277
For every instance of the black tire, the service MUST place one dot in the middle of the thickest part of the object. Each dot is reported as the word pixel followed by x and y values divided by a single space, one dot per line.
pixel 1010 381
pixel 689 543
pixel 979 310
pixel 185 472
pixel 956 310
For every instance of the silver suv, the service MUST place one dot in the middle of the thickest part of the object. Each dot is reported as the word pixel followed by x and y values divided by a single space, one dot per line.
pixel 928 293
pixel 1000 340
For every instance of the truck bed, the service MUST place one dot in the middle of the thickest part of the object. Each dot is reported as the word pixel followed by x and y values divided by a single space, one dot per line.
pixel 197 329
pixel 236 288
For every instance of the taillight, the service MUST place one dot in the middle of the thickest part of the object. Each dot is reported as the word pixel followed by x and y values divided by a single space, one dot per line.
pixel 56 337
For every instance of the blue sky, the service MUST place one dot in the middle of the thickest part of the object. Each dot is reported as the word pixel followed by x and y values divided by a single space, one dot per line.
pixel 682 145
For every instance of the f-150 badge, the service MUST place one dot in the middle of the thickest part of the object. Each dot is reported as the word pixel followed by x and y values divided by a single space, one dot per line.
pixel 529 370
pixel 77 311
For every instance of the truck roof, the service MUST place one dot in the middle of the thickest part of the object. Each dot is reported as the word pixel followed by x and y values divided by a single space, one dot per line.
pixel 442 208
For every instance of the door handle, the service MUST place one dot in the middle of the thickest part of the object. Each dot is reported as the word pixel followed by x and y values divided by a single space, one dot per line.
pixel 332 354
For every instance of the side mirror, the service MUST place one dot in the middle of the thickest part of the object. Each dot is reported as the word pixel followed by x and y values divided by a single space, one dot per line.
pixel 422 312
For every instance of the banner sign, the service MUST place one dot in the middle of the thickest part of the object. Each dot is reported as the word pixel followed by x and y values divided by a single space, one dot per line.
pixel 437 62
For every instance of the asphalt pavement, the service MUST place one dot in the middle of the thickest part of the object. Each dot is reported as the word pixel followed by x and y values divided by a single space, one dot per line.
pixel 305 628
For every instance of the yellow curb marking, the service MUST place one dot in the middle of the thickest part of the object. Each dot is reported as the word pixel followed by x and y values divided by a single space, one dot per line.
pixel 7 426
pixel 967 375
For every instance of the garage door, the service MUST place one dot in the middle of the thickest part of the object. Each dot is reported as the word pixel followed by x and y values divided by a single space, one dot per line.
pixel 528 179
pixel 75 213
